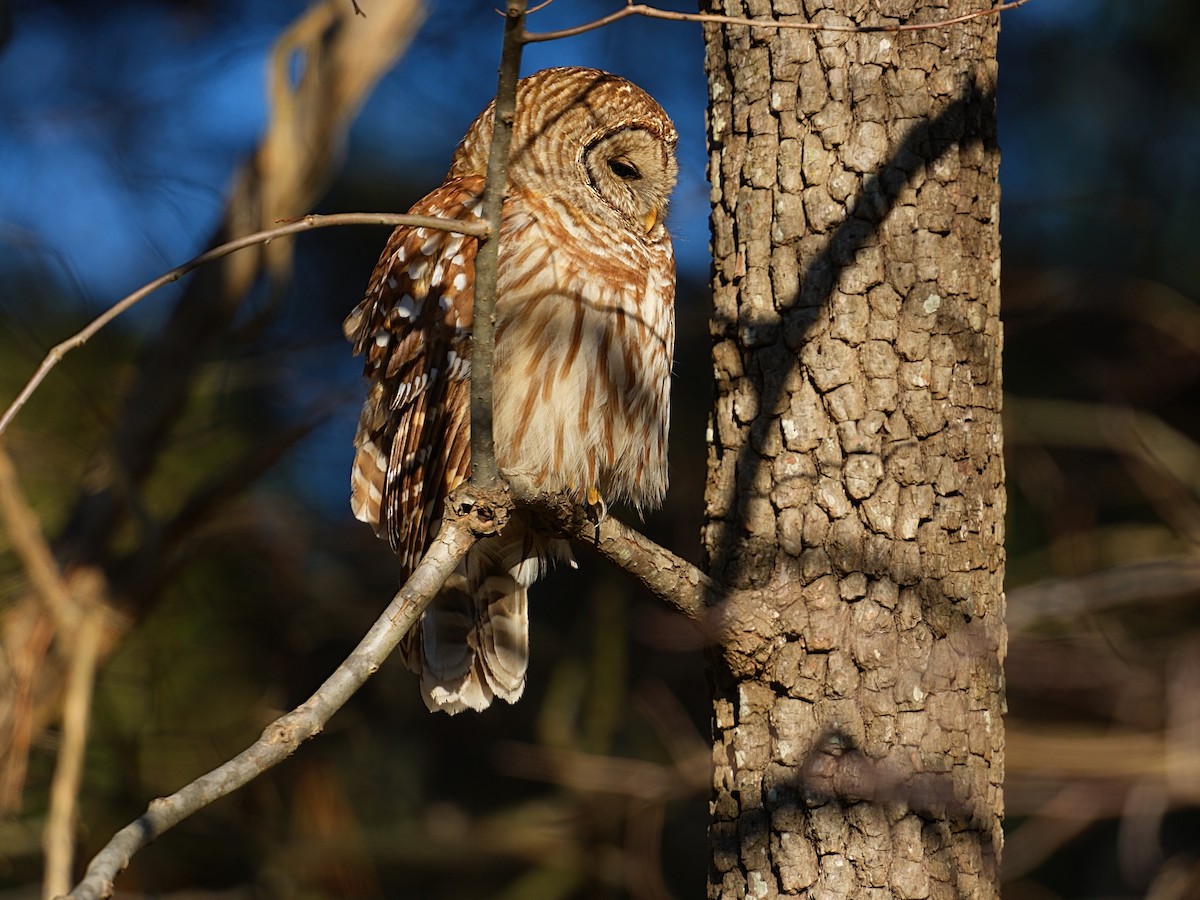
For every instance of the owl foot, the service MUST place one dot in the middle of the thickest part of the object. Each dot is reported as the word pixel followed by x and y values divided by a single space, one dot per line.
pixel 595 508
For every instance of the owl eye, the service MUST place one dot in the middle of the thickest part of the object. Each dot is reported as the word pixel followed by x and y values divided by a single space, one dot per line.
pixel 624 169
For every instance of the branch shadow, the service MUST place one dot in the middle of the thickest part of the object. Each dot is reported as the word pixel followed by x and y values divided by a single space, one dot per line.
pixel 836 777
pixel 833 769
pixel 736 555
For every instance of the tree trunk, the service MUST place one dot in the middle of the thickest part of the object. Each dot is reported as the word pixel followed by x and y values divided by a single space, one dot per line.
pixel 855 473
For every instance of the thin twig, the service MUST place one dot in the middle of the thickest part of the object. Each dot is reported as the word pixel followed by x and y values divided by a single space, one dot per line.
pixel 283 736
pixel 673 580
pixel 650 12
pixel 307 223
pixel 484 472
pixel 1151 452
pixel 319 73
pixel 58 835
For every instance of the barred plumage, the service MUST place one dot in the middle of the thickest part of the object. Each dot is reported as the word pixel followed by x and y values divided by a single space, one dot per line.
pixel 584 337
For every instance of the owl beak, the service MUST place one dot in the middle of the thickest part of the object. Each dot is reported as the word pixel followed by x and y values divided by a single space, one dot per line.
pixel 651 220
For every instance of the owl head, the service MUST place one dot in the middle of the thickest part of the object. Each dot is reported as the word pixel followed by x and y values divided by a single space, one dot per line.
pixel 589 140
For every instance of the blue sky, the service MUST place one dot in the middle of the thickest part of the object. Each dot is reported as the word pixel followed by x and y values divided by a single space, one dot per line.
pixel 123 126
pixel 124 123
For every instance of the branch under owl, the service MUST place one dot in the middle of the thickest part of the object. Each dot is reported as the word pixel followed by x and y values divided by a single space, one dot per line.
pixel 650 12
pixel 470 515
pixel 472 512
pixel 672 579
pixel 473 228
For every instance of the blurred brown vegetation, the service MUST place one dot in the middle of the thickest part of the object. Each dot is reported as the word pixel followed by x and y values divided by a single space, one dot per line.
pixel 1103 761
pixel 230 593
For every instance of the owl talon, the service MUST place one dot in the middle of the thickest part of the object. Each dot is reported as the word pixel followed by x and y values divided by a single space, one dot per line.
pixel 595 508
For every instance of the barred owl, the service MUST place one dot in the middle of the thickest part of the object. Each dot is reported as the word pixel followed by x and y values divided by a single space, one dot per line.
pixel 584 337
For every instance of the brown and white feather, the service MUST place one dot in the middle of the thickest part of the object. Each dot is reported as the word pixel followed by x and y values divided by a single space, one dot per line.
pixel 584 338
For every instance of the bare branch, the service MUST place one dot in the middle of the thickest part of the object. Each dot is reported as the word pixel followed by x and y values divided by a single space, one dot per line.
pixel 58 836
pixel 79 616
pixel 650 12
pixel 1141 582
pixel 484 471
pixel 320 71
pixel 670 578
pixel 470 514
pixel 307 223
pixel 1162 461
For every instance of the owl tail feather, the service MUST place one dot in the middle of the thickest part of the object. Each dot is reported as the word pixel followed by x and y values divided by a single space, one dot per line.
pixel 473 645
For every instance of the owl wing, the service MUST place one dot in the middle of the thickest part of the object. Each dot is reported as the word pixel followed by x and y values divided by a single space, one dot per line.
pixel 413 445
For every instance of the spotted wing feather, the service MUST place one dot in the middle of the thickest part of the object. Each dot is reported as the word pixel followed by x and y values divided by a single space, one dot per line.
pixel 413 329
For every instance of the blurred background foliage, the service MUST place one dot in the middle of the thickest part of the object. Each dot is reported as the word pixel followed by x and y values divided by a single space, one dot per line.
pixel 242 580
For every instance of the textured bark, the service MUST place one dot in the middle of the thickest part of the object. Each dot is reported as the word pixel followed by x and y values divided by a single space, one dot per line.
pixel 855 494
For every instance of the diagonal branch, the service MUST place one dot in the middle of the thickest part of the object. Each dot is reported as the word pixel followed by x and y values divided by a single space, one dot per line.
pixel 640 9
pixel 484 471
pixel 465 522
pixel 320 71
pixel 672 579
pixel 58 835
pixel 307 223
